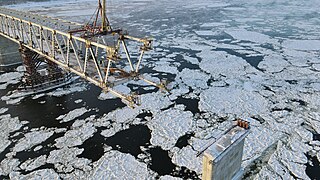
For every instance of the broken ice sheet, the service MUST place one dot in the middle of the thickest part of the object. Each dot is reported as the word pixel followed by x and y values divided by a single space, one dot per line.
pixel 228 100
pixel 245 35
pixel 219 63
pixel 8 165
pixel 193 78
pixel 167 126
pixel 71 115
pixel 7 126
pixel 76 87
pixel 31 139
pixel 9 78
pixel 32 164
pixel 40 174
pixel 187 157
pixel 66 160
pixel 116 165
pixel 76 136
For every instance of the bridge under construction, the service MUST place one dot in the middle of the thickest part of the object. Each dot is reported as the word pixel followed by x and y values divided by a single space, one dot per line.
pixel 94 51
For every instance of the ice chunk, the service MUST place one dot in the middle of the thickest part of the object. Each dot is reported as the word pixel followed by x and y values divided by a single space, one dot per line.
pixel 116 165
pixel 242 34
pixel 273 63
pixel 8 165
pixel 39 174
pixel 76 136
pixel 304 45
pixel 32 164
pixel 220 63
pixel 31 139
pixel 228 100
pixel 9 78
pixel 167 126
pixel 72 114
pixel 193 78
pixel 187 157
pixel 3 110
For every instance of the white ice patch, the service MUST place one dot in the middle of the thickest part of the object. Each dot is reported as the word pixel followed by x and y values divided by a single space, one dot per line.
pixel 78 87
pixel 3 110
pixel 191 59
pixel 167 68
pixel 167 126
pixel 187 157
pixel 273 63
pixel 228 100
pixel 193 78
pixel 78 101
pixel 220 63
pixel 8 165
pixel 32 164
pixel 252 36
pixel 7 126
pixel 76 136
pixel 9 78
pixel 304 45
pixel 38 96
pixel 39 174
pixel 66 160
pixel 206 33
pixel 72 114
pixel 116 165
pixel 31 139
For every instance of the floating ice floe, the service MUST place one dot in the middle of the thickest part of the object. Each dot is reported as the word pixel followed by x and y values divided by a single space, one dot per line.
pixel 221 63
pixel 273 63
pixel 71 115
pixel 187 157
pixel 9 78
pixel 38 174
pixel 116 165
pixel 302 45
pixel 76 136
pixel 193 78
pixel 78 87
pixel 167 126
pixel 66 160
pixel 32 164
pixel 7 126
pixel 78 101
pixel 3 110
pixel 228 100
pixel 31 139
pixel 167 68
pixel 8 165
pixel 245 35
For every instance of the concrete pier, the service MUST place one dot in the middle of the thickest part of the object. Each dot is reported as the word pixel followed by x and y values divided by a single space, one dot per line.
pixel 222 160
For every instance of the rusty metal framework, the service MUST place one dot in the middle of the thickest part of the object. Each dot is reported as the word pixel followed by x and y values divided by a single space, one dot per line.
pixel 94 61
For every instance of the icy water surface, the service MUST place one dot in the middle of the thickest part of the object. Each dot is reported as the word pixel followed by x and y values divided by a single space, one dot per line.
pixel 257 60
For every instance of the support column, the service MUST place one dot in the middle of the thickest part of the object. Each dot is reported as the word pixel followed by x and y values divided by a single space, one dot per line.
pixel 31 76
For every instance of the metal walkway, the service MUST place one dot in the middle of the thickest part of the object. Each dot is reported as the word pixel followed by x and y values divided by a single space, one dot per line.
pixel 98 63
